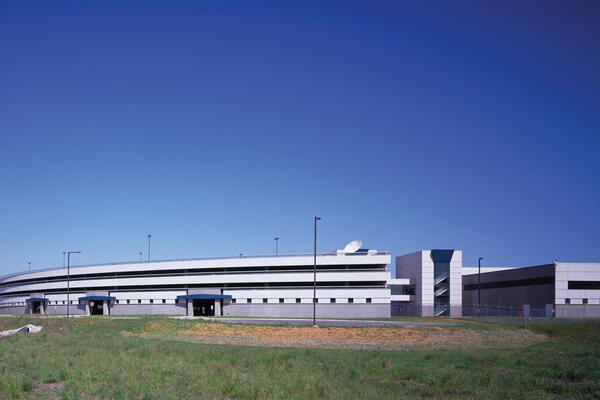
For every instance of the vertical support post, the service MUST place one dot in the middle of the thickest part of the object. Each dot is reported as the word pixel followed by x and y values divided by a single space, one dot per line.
pixel 149 236
pixel 479 286
pixel 315 277
pixel 68 282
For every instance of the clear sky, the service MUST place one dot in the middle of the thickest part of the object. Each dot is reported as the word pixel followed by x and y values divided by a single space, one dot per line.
pixel 216 126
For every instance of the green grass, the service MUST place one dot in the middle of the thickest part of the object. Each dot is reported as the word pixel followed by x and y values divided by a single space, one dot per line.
pixel 102 358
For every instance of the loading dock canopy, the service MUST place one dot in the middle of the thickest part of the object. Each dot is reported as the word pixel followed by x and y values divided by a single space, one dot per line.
pixel 96 298
pixel 36 299
pixel 203 297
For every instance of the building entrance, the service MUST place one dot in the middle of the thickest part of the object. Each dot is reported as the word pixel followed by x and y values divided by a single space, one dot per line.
pixel 204 308
pixel 96 307
pixel 36 307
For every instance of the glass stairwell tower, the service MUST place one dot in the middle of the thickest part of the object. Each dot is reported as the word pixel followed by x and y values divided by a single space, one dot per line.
pixel 441 281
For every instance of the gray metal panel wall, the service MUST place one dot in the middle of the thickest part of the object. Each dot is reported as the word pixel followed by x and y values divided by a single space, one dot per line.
pixel 513 296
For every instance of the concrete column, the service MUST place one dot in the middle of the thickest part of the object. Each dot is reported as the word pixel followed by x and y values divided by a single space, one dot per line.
pixel 105 305
pixel 217 307
pixel 190 307
pixel 87 308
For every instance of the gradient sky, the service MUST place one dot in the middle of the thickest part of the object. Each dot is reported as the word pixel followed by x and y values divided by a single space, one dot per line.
pixel 217 126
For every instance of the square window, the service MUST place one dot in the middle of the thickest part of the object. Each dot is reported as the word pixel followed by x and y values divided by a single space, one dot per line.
pixel 118 301
pixel 368 300
pixel 248 301
pixel 281 300
pixel 585 301
pixel 128 301
pixel 151 301
pixel 297 300
pixel 139 301
pixel 350 300
pixel 264 300
pixel 233 301
pixel 332 300
pixel 164 301
pixel 567 301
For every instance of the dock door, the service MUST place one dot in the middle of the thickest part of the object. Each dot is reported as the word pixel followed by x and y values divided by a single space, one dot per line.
pixel 204 308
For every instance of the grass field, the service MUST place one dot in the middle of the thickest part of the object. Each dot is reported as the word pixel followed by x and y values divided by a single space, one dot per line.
pixel 161 358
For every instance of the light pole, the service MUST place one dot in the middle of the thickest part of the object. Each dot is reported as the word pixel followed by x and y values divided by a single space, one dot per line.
pixel 29 266
pixel 64 252
pixel 479 286
pixel 276 246
pixel 140 253
pixel 69 278
pixel 315 278
pixel 149 236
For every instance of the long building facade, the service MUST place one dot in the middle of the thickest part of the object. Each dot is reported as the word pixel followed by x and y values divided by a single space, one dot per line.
pixel 348 285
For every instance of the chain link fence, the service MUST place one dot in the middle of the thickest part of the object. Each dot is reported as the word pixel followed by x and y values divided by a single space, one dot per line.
pixel 515 316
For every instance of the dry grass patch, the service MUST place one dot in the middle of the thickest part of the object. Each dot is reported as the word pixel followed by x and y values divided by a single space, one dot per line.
pixel 382 338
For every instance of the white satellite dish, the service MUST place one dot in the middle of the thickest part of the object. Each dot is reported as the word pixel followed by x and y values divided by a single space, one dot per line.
pixel 353 246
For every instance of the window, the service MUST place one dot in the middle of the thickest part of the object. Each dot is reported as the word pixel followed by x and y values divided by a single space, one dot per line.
pixel 248 301
pixel 585 301
pixel 232 301
pixel 118 301
pixel 151 301
pixel 297 300
pixel 264 300
pixel 139 301
pixel 350 300
pixel 368 300
pixel 164 301
pixel 567 301
pixel 64 302
pixel 280 300
pixel 332 300
pixel 315 300
pixel 128 301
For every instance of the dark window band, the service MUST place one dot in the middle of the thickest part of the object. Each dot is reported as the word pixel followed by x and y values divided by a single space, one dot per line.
pixel 544 280
pixel 584 284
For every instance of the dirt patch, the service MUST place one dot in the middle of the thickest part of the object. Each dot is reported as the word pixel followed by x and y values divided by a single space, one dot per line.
pixel 380 338
pixel 49 390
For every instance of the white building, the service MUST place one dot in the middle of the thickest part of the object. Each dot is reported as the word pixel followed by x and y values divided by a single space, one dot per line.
pixel 348 285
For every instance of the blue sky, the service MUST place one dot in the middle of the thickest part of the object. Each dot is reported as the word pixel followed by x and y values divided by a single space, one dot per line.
pixel 218 126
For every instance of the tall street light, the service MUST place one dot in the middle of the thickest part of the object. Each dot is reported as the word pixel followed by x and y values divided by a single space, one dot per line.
pixel 479 286
pixel 64 252
pixel 69 278
pixel 315 277
pixel 140 253
pixel 149 236
pixel 29 266
pixel 276 246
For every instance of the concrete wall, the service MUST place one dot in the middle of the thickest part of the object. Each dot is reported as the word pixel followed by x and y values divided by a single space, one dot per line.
pixel 75 309
pixel 148 309
pixel 456 284
pixel 13 310
pixel 409 266
pixel 306 310
pixel 577 311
